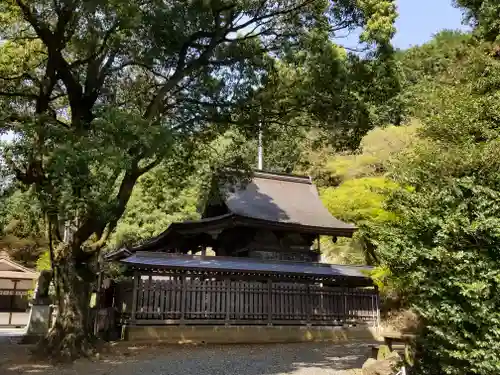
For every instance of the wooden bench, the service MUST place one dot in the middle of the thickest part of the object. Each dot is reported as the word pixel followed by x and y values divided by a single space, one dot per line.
pixel 404 338
pixel 394 342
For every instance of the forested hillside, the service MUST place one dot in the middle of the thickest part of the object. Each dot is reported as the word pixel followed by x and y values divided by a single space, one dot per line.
pixel 405 144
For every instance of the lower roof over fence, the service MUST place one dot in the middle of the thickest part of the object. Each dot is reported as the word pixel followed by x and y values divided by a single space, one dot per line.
pixel 194 264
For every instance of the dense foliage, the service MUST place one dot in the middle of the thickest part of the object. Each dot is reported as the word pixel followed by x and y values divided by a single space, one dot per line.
pixel 120 113
pixel 21 226
pixel 483 16
pixel 443 249
pixel 354 187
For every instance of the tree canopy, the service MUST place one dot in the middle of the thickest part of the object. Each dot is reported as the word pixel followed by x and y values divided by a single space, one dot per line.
pixel 121 113
pixel 355 187
pixel 442 248
pixel 97 94
pixel 482 15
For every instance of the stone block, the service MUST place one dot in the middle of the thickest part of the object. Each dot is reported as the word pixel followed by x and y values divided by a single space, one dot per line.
pixel 244 334
pixel 39 321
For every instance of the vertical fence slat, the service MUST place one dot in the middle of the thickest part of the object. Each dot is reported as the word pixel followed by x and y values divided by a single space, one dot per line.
pixel 227 282
pixel 142 284
pixel 157 310
pixel 182 301
pixel 269 301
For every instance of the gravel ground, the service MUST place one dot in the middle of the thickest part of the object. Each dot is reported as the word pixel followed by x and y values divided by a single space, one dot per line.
pixel 272 359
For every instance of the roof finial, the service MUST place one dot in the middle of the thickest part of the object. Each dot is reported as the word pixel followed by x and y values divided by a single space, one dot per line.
pixel 260 161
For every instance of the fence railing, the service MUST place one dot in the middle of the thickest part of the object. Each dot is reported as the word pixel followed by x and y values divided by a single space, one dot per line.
pixel 180 300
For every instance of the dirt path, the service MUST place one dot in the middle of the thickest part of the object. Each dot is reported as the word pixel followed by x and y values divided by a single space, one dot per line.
pixel 291 359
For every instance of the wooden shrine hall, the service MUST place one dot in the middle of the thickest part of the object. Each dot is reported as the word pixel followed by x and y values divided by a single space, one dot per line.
pixel 265 271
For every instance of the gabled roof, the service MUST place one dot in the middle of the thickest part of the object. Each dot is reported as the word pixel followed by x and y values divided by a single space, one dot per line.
pixel 284 199
pixel 13 270
pixel 270 200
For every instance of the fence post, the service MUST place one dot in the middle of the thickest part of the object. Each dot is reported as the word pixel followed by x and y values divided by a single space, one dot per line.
pixel 12 299
pixel 309 305
pixel 183 298
pixel 135 292
pixel 373 311
pixel 344 292
pixel 269 302
pixel 227 283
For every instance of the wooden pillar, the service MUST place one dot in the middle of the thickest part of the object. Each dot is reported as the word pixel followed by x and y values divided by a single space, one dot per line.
pixel 373 312
pixel 269 302
pixel 98 297
pixel 12 297
pixel 135 292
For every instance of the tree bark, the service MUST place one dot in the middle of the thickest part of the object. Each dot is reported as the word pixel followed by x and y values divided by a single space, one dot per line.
pixel 71 335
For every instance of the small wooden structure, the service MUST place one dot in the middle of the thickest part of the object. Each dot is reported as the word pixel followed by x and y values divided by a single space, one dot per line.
pixel 265 235
pixel 15 283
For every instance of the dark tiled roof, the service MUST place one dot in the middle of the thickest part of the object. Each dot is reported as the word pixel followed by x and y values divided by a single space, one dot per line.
pixel 150 260
pixel 283 199
pixel 270 200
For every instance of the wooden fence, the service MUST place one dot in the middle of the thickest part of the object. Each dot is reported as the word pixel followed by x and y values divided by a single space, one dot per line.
pixel 178 300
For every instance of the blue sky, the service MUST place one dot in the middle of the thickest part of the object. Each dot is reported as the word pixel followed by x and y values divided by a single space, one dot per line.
pixel 419 19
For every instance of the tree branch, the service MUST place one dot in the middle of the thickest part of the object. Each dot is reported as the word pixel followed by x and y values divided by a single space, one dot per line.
pixel 352 49
pixel 101 49
pixel 206 104
pixel 65 15
pixel 94 224
pixel 41 29
pixel 154 106
pixel 18 94
pixel 55 43
pixel 149 166
pixel 270 15
pixel 96 246
pixel 46 87
pixel 21 76
pixel 185 47
pixel 96 75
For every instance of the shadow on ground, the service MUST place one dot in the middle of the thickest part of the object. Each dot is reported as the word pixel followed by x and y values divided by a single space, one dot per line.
pixel 271 359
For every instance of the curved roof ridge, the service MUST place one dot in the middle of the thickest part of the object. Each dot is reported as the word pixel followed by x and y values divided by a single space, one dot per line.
pixel 283 177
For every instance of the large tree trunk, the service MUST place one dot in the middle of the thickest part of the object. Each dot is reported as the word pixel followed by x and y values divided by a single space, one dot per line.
pixel 71 335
